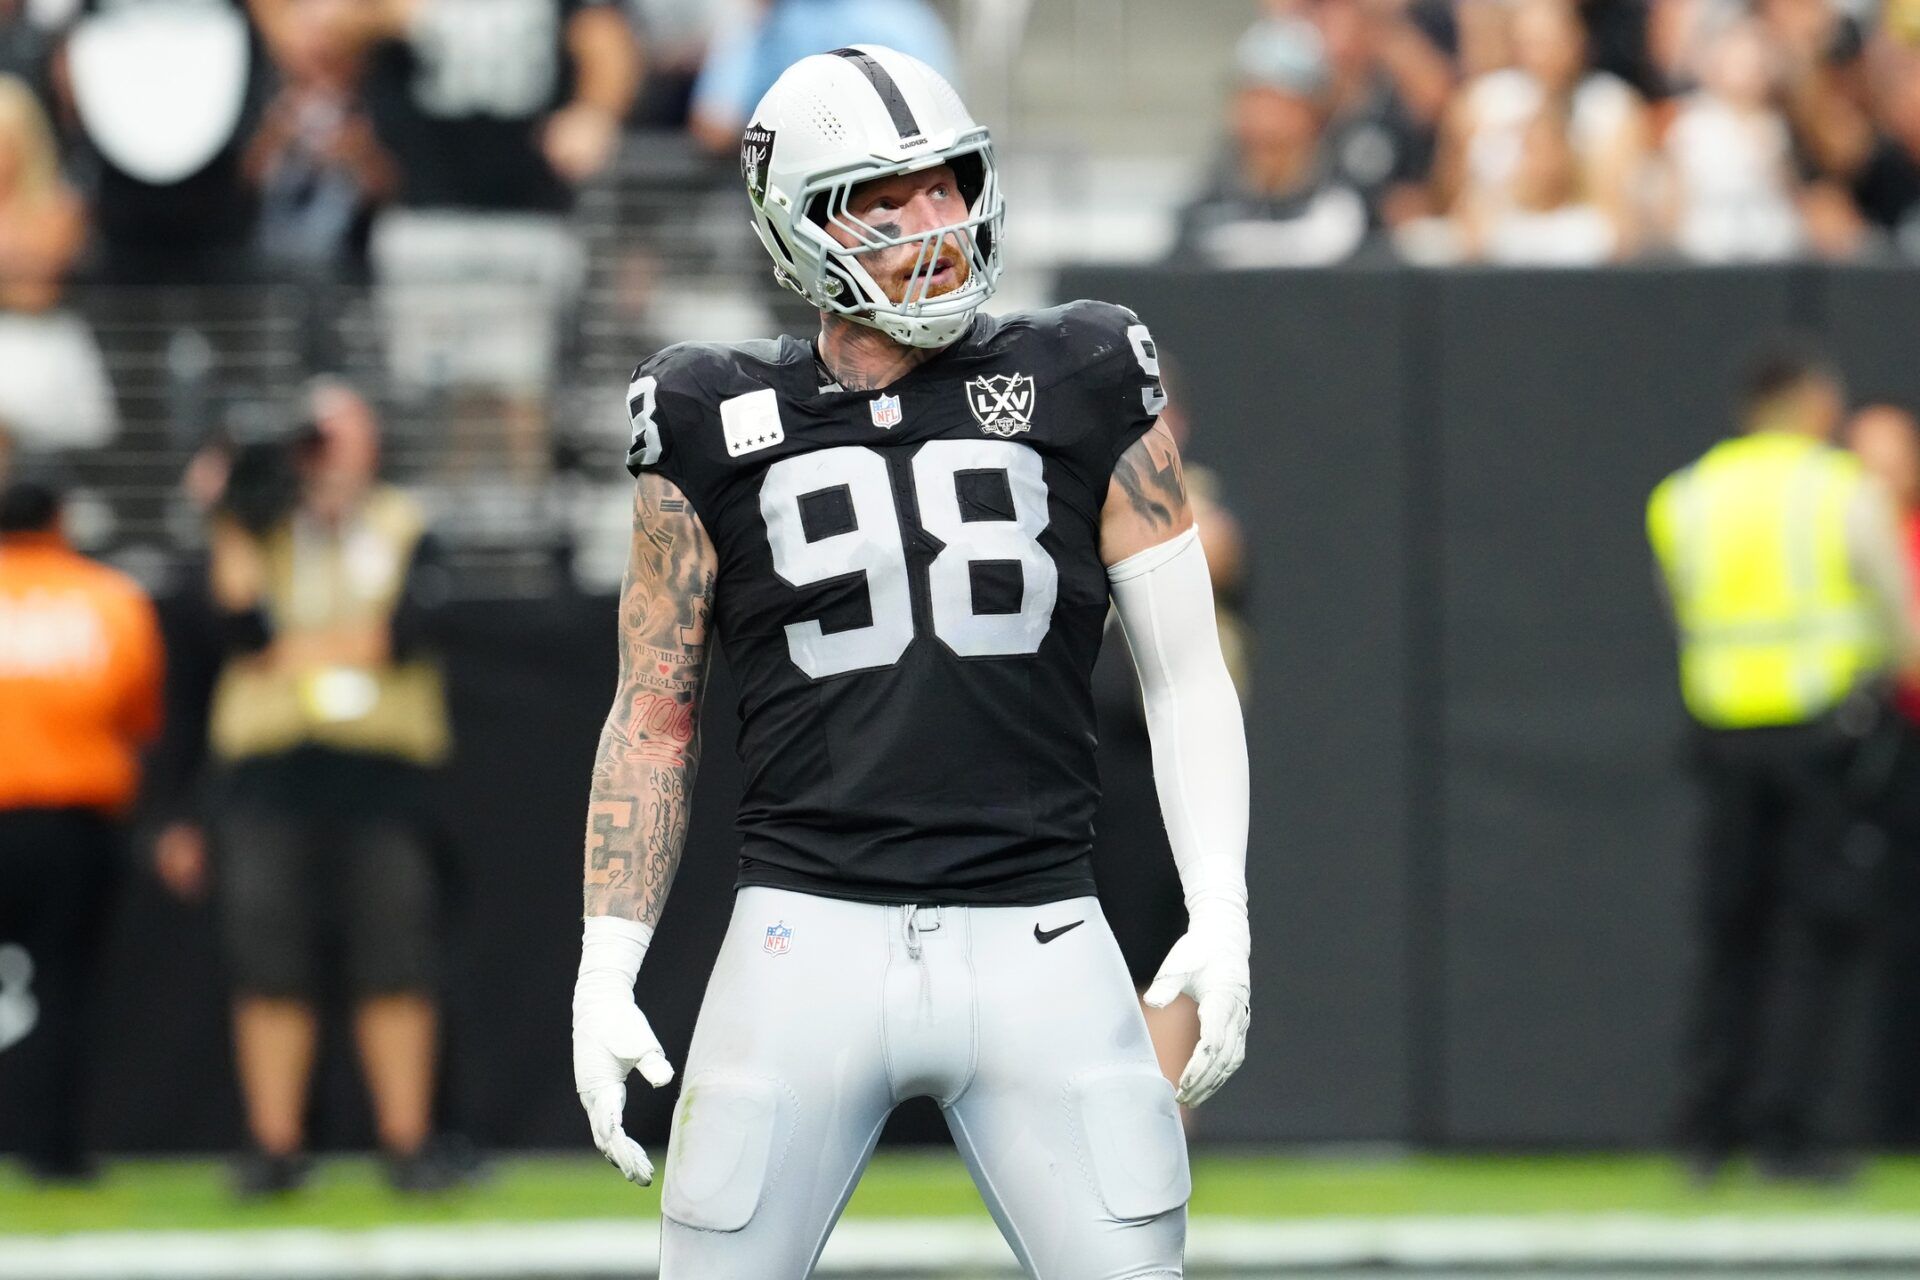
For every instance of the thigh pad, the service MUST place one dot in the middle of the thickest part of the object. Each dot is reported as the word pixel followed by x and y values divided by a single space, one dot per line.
pixel 729 1138
pixel 1126 1128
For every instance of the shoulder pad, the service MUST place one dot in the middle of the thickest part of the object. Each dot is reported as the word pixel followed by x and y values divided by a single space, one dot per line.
pixel 1093 333
pixel 677 386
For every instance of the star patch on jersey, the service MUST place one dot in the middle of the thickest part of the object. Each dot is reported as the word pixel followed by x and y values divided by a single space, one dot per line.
pixel 751 422
pixel 885 411
pixel 1002 403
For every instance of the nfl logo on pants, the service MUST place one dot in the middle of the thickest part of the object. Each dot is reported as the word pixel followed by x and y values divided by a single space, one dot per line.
pixel 779 940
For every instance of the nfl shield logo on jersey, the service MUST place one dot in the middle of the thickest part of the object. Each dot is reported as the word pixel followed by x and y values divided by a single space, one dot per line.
pixel 779 940
pixel 885 410
pixel 1002 403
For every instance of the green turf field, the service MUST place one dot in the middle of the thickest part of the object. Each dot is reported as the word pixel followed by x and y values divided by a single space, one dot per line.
pixel 149 1195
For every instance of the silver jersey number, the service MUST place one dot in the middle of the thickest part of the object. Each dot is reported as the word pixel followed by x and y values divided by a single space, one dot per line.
pixel 874 547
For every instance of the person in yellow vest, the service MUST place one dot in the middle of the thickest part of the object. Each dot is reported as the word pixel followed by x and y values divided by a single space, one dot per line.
pixel 327 719
pixel 1784 571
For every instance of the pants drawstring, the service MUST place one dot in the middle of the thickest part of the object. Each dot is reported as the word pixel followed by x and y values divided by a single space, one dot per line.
pixel 912 926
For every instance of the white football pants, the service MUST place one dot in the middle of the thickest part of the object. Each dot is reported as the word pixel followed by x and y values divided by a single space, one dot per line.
pixel 822 1014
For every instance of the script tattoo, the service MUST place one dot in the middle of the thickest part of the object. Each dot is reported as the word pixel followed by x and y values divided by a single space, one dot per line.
pixel 1149 474
pixel 650 746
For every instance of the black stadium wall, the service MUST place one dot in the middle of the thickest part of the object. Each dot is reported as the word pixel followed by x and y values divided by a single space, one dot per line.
pixel 1471 857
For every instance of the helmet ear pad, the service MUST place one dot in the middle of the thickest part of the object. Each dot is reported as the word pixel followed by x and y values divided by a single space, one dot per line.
pixel 970 172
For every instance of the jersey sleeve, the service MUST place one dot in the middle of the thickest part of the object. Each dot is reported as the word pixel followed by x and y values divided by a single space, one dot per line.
pixel 666 406
pixel 1125 366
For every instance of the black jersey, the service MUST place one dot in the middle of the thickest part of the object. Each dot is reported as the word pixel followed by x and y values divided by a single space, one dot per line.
pixel 461 99
pixel 910 593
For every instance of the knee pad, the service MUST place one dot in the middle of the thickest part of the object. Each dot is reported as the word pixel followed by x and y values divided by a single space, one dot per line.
pixel 1132 1149
pixel 729 1140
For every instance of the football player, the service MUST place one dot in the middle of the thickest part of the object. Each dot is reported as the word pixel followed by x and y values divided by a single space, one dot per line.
pixel 907 532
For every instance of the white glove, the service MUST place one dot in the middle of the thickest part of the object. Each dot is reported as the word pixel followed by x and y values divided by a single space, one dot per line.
pixel 611 1037
pixel 1209 963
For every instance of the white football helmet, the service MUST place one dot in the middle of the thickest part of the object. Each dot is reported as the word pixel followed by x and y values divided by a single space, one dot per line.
pixel 835 120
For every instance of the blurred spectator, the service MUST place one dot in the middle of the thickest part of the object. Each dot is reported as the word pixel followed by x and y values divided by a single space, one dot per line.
pixel 53 384
pixel 1483 37
pixel 1543 218
pixel 1619 42
pixel 1390 86
pixel 1275 200
pixel 1879 158
pixel 326 722
pixel 1886 438
pixel 677 34
pixel 315 160
pixel 748 53
pixel 1731 157
pixel 165 93
pixel 29 30
pixel 1856 168
pixel 1483 138
pixel 495 110
pixel 1789 589
pixel 80 671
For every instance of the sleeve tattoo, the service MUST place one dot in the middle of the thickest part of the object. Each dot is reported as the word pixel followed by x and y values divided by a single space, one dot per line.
pixel 1148 473
pixel 643 774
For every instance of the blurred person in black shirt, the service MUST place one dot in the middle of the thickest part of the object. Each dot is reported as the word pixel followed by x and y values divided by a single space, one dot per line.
pixel 495 111
pixel 1887 183
pixel 315 160
pixel 1390 84
pixel 165 93
pixel 1854 106
pixel 1276 199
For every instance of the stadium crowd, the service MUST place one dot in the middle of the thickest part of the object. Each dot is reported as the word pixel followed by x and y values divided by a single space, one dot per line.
pixel 434 149
pixel 1555 132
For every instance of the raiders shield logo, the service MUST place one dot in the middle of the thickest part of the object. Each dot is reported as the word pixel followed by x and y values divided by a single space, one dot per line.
pixel 1002 403
pixel 756 149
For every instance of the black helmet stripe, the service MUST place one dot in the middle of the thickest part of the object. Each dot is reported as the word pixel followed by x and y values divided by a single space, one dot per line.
pixel 889 91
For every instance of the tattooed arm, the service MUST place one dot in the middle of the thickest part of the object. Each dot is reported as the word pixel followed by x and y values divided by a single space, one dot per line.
pixel 637 818
pixel 643 774
pixel 1146 499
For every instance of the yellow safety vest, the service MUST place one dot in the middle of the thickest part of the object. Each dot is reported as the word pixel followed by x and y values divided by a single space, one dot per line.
pixel 396 710
pixel 1775 629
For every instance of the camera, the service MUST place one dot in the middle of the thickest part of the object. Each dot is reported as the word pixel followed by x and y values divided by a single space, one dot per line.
pixel 264 474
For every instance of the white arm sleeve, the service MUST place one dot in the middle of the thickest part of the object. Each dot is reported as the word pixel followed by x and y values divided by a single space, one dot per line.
pixel 1165 599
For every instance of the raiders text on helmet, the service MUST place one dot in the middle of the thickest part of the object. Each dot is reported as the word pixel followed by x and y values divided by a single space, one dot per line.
pixel 835 120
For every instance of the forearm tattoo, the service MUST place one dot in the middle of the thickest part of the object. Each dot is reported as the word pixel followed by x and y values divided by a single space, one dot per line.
pixel 649 748
pixel 1149 474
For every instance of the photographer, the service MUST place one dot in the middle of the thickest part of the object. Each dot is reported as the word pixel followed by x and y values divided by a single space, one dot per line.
pixel 326 722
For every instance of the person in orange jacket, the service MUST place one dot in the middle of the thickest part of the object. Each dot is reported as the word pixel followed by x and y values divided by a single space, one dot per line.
pixel 80 676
